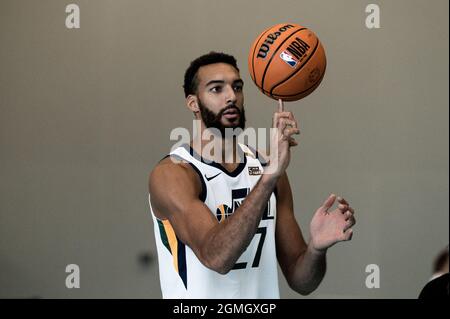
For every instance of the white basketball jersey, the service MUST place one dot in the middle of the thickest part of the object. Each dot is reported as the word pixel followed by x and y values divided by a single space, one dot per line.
pixel 254 275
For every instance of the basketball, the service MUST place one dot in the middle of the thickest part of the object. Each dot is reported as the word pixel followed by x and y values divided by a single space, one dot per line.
pixel 287 61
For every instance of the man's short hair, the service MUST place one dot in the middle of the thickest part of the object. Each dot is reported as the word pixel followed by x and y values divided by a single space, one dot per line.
pixel 440 260
pixel 190 76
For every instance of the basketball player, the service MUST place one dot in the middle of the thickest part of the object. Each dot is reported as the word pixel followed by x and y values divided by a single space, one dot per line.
pixel 221 223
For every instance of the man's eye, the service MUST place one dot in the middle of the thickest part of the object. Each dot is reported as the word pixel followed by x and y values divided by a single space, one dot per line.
pixel 238 88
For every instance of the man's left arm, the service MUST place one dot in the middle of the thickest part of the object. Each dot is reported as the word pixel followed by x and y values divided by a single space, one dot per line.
pixel 304 264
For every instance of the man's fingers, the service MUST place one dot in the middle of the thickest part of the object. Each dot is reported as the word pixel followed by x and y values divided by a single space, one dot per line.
pixel 280 114
pixel 341 200
pixel 280 105
pixel 329 202
pixel 277 116
pixel 286 114
pixel 344 205
pixel 348 215
pixel 349 223
pixel 283 122
pixel 286 124
pixel 292 142
pixel 353 220
pixel 347 235
pixel 291 131
pixel 290 115
pixel 288 133
pixel 346 208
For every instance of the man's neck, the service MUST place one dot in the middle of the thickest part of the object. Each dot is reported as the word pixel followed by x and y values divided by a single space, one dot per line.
pixel 218 149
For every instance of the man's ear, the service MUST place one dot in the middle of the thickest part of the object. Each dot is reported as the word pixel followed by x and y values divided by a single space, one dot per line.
pixel 192 103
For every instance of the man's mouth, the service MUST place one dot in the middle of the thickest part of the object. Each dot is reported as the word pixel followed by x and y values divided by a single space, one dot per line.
pixel 231 113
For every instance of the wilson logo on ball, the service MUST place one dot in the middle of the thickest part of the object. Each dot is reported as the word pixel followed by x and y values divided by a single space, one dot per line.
pixel 270 39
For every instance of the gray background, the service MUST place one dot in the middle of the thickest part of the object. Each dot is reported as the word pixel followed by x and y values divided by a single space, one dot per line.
pixel 86 113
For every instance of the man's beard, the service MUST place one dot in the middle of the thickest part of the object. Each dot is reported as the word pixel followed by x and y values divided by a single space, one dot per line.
pixel 215 120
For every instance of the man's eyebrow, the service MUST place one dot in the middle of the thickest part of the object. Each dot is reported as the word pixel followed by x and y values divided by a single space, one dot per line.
pixel 215 82
pixel 239 81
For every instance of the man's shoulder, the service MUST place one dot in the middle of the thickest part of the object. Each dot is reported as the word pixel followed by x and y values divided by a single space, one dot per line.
pixel 170 165
pixel 172 161
pixel 168 180
pixel 172 171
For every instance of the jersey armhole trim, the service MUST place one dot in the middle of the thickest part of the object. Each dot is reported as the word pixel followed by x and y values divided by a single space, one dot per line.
pixel 202 195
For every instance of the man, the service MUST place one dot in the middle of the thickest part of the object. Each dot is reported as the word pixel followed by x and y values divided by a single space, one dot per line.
pixel 438 285
pixel 437 288
pixel 223 220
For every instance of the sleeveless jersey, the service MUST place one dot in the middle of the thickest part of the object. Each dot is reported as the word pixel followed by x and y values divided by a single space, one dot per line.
pixel 254 275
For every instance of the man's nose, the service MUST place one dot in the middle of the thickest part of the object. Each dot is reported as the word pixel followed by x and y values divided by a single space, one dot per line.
pixel 230 95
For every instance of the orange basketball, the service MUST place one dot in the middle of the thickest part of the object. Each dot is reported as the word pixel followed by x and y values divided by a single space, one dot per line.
pixel 287 61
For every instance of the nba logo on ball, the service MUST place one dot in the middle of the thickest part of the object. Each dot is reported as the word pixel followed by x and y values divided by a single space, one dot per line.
pixel 289 59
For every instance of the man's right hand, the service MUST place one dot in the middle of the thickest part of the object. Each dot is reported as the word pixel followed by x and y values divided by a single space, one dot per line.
pixel 281 140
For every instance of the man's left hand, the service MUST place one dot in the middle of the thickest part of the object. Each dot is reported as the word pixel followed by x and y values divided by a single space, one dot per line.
pixel 328 228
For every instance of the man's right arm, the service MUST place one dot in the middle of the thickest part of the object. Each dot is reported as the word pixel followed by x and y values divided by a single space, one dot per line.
pixel 174 194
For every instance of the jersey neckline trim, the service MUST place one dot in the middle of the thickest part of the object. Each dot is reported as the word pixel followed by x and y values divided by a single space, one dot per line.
pixel 234 173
